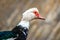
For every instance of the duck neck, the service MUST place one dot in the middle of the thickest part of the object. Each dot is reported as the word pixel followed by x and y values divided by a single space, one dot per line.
pixel 24 24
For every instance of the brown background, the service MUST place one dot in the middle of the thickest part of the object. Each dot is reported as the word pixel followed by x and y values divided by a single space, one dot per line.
pixel 11 11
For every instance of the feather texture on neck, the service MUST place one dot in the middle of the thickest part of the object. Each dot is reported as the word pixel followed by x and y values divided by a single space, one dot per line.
pixel 24 24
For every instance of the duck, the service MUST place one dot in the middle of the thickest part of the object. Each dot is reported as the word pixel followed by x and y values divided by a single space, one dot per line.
pixel 20 31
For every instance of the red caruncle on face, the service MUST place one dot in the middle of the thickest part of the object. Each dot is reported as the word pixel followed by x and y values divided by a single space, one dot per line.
pixel 36 14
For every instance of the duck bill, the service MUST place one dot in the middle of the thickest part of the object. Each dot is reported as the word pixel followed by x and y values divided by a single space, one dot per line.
pixel 42 18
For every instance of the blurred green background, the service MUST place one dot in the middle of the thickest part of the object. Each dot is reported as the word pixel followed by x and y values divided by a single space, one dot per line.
pixel 11 11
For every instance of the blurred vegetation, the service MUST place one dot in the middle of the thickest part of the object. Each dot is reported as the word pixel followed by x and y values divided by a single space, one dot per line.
pixel 11 11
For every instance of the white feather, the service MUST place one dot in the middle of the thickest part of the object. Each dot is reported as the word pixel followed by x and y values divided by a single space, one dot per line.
pixel 24 24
